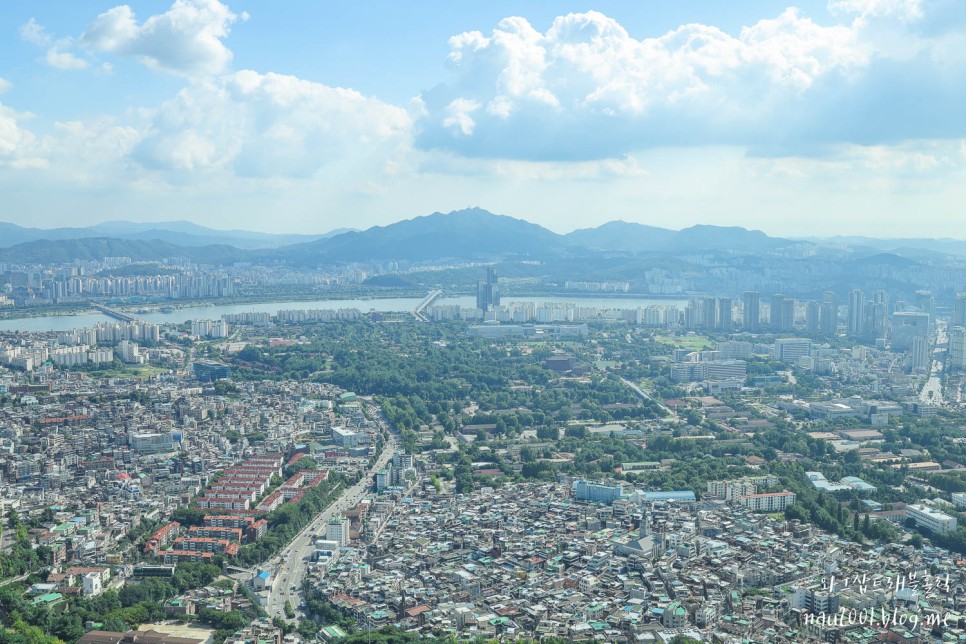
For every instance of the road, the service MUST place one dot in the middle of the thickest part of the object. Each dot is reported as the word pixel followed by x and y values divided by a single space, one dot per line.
pixel 14 579
pixel 646 396
pixel 932 391
pixel 293 561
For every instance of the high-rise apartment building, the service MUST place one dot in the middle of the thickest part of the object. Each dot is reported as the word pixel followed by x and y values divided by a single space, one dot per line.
pixel 829 323
pixel 856 313
pixel 782 313
pixel 813 317
pixel 919 355
pixel 751 304
pixel 959 311
pixel 875 320
pixel 926 303
pixel 725 317
pixel 957 348
pixel 709 312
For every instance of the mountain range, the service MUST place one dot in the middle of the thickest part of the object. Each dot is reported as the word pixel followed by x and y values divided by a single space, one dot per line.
pixel 182 233
pixel 471 234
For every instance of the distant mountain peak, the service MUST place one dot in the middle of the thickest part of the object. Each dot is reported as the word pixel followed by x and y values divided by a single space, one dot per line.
pixel 466 233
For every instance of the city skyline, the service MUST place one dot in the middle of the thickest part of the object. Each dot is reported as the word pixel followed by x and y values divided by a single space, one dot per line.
pixel 837 118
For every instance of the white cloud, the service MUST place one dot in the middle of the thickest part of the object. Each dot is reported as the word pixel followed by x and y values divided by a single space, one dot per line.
pixel 64 59
pixel 445 164
pixel 10 133
pixel 4 85
pixel 903 9
pixel 586 89
pixel 86 154
pixel 459 116
pixel 89 152
pixel 574 119
pixel 270 125
pixel 57 55
pixel 112 30
pixel 186 39
pixel 16 142
pixel 33 32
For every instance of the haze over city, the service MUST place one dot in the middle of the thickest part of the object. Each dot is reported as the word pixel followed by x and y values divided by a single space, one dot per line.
pixel 637 322
pixel 820 118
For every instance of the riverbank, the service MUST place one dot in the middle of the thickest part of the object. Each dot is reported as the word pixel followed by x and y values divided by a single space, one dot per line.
pixel 181 312
pixel 12 313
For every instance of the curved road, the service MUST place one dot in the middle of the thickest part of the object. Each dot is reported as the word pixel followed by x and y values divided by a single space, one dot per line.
pixel 292 562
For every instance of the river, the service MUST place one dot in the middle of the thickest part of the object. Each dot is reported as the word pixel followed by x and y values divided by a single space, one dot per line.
pixel 382 305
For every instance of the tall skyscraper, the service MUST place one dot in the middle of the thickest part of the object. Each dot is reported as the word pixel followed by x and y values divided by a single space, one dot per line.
pixel 692 313
pixel 957 348
pixel 926 303
pixel 880 314
pixel 776 311
pixel 782 313
pixel 959 311
pixel 725 320
pixel 487 292
pixel 856 312
pixel 709 313
pixel 752 311
pixel 919 353
pixel 829 324
pixel 813 316
pixel 875 321
pixel 788 314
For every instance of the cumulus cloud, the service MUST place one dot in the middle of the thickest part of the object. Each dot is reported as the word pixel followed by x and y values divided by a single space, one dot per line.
pixel 586 89
pixel 16 142
pixel 187 39
pixel 58 55
pixel 64 59
pixel 269 125
pixel 35 33
pixel 90 152
pixel 459 116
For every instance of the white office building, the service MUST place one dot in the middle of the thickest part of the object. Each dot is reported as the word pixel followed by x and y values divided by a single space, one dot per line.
pixel 338 531
pixel 930 519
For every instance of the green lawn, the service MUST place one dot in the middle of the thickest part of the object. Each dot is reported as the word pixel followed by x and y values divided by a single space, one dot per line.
pixel 141 372
pixel 693 342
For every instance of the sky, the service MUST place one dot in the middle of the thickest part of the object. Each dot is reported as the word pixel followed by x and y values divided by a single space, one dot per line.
pixel 845 117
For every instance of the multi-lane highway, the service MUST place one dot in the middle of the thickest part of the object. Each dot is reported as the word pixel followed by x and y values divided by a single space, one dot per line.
pixel 292 563
pixel 932 390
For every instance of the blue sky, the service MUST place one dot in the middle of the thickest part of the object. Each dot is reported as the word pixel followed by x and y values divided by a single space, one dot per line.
pixel 819 118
